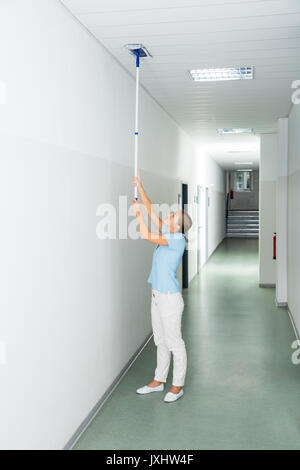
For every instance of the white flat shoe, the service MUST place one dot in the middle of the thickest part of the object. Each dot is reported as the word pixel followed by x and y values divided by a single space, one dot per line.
pixel 170 396
pixel 147 389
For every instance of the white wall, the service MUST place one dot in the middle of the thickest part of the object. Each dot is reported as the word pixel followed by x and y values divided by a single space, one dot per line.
pixel 215 180
pixel 294 214
pixel 282 212
pixel 268 171
pixel 207 174
pixel 74 308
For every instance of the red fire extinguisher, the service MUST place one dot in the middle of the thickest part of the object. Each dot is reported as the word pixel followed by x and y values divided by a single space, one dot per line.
pixel 274 245
pixel 231 194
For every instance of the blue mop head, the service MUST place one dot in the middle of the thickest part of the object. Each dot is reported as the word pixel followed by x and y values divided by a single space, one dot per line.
pixel 138 50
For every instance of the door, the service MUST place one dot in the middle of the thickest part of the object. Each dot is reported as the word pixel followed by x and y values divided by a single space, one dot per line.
pixel 206 222
pixel 199 226
pixel 185 258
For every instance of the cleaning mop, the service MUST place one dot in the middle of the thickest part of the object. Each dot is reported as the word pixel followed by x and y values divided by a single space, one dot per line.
pixel 138 50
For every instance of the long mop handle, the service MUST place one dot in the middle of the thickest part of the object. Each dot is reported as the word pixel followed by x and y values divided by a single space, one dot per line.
pixel 136 132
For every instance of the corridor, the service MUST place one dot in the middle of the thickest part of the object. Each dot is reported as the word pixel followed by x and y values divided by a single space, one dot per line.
pixel 108 110
pixel 241 388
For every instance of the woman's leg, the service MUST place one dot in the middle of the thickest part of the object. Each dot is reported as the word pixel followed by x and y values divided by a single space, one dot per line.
pixel 172 309
pixel 163 352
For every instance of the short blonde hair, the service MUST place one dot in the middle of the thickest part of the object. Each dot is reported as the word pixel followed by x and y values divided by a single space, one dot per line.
pixel 186 221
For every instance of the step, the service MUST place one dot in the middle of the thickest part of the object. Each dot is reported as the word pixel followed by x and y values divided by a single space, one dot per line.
pixel 243 212
pixel 241 219
pixel 238 222
pixel 241 230
pixel 242 222
pixel 242 235
pixel 242 227
pixel 242 216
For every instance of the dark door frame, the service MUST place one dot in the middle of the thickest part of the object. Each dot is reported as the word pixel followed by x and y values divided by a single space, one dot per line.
pixel 185 258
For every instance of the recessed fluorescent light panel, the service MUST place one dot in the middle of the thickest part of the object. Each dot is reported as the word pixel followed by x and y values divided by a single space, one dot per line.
pixel 243 163
pixel 235 131
pixel 230 73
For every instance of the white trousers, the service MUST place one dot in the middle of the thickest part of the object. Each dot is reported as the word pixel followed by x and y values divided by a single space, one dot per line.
pixel 166 314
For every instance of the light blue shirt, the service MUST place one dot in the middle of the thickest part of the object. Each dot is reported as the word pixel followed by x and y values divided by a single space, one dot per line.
pixel 165 262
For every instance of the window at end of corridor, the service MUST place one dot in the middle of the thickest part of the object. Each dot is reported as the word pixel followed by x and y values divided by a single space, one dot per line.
pixel 243 180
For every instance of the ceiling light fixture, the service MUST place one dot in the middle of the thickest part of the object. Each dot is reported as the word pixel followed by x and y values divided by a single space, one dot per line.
pixel 229 73
pixel 243 163
pixel 247 130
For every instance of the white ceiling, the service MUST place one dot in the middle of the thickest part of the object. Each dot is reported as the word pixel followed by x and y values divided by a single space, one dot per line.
pixel 187 34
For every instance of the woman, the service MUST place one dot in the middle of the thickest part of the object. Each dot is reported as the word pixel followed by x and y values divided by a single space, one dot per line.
pixel 167 302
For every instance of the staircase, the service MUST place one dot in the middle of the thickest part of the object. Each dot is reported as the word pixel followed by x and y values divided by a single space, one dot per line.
pixel 242 224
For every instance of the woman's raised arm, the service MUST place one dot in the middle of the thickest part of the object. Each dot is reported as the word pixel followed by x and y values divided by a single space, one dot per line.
pixel 156 238
pixel 147 203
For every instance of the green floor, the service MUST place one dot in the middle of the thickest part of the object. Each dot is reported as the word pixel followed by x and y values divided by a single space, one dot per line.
pixel 241 390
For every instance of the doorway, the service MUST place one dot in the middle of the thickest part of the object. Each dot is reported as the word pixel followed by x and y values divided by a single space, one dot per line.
pixel 199 226
pixel 207 202
pixel 202 225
